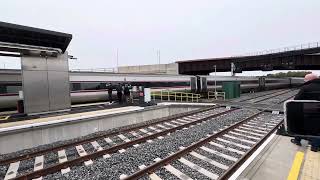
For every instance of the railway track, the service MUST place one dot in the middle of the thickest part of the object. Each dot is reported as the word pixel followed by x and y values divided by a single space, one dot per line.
pixel 215 155
pixel 202 159
pixel 250 96
pixel 39 163
pixel 156 122
pixel 261 99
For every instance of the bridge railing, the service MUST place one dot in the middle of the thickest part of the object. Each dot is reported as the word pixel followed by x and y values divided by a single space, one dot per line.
pixel 284 49
pixel 113 70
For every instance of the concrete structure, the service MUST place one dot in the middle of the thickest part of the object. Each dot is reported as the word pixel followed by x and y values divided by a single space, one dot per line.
pixel 27 134
pixel 44 65
pixel 171 68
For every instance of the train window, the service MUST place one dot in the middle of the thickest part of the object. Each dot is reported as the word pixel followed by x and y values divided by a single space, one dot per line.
pixel 103 85
pixel 90 86
pixel 13 89
pixel 75 86
pixel 3 89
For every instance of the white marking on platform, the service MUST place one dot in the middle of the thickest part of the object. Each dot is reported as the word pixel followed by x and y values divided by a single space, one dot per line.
pixel 109 141
pixel 145 131
pixel 169 124
pixel 219 153
pixel 152 176
pixel 123 176
pixel 136 145
pixel 63 158
pixel 135 134
pixel 248 132
pixel 12 170
pixel 122 150
pixel 226 148
pixel 272 124
pixel 248 136
pixel 96 146
pixel 215 163
pixel 123 138
pixel 189 118
pixel 161 126
pixel 81 153
pixel 183 121
pixel 106 156
pixel 236 138
pixel 38 163
pixel 178 122
pixel 256 130
pixel 257 127
pixel 199 169
pixel 155 129
pixel 233 143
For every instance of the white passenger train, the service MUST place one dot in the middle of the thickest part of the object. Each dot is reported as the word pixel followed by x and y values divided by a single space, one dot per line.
pixel 88 87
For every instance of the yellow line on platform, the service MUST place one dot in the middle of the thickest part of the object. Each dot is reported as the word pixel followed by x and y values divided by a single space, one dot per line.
pixel 295 169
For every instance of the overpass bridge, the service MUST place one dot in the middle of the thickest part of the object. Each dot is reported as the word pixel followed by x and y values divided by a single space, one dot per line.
pixel 301 57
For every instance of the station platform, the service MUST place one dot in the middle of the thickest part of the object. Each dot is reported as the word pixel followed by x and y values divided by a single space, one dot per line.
pixel 280 159
pixel 13 116
pixel 67 117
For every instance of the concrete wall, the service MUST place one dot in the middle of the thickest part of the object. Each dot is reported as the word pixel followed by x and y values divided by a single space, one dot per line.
pixel 16 140
pixel 151 69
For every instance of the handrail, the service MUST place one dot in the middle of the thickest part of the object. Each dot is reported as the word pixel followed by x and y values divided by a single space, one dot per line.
pixel 176 96
pixel 282 50
pixel 215 95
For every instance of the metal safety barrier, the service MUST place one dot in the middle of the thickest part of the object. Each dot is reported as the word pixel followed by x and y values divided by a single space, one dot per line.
pixel 175 96
pixel 216 95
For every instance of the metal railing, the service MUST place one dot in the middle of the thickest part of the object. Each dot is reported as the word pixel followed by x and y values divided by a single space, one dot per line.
pixel 113 70
pixel 216 95
pixel 175 96
pixel 282 50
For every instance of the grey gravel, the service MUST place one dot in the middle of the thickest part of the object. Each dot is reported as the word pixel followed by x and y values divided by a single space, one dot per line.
pixel 129 161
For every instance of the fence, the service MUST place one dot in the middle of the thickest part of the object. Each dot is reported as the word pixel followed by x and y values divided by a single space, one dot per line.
pixel 175 96
pixel 216 95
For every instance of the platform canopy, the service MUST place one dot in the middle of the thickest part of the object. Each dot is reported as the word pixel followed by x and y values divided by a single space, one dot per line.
pixel 13 34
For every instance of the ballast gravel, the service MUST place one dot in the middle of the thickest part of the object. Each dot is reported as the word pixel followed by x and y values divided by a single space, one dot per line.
pixel 129 161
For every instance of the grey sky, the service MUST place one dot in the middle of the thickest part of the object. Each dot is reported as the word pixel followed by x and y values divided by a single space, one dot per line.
pixel 181 29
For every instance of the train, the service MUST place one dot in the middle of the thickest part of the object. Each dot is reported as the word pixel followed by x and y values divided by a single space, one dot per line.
pixel 88 87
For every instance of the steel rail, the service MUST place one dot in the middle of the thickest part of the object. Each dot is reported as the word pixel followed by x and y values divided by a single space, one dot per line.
pixel 250 98
pixel 88 140
pixel 273 96
pixel 56 167
pixel 153 167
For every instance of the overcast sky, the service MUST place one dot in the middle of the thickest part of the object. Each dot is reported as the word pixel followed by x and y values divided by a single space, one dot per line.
pixel 180 29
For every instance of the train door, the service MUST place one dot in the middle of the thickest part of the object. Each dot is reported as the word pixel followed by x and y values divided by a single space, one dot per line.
pixel 262 83
pixel 203 83
pixel 198 84
pixel 193 84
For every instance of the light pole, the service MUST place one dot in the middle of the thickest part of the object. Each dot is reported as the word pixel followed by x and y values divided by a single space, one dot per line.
pixel 158 55
pixel 117 60
pixel 215 81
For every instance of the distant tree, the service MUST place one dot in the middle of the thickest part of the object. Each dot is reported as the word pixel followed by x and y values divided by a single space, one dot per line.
pixel 289 74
